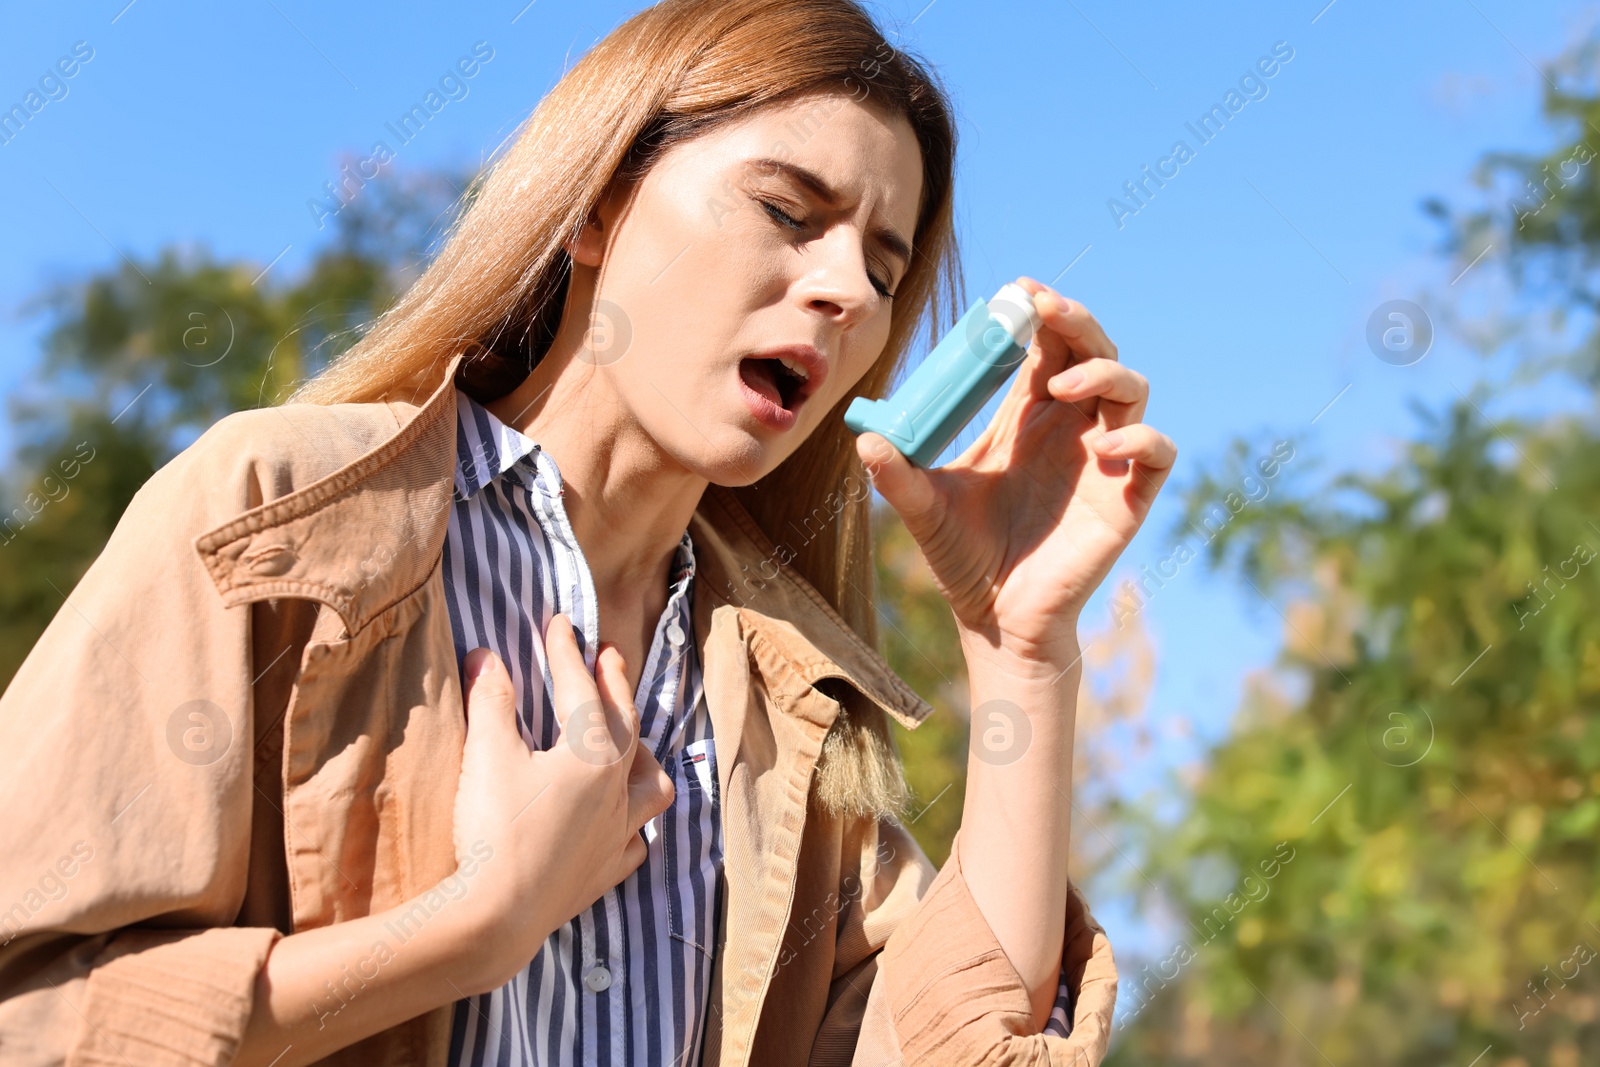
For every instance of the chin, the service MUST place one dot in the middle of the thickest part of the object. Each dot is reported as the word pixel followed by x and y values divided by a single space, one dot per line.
pixel 736 460
pixel 735 475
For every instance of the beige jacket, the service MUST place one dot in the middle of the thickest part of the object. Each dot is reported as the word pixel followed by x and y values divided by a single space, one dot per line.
pixel 247 720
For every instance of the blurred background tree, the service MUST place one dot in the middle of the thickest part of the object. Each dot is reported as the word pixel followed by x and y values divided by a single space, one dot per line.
pixel 1392 857
pixel 142 358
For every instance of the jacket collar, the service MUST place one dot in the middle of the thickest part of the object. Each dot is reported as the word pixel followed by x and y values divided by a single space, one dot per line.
pixel 299 545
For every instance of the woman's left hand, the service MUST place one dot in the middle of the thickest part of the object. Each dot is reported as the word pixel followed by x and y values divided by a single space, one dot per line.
pixel 1023 526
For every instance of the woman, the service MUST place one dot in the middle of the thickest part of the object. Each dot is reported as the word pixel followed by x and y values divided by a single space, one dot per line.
pixel 590 473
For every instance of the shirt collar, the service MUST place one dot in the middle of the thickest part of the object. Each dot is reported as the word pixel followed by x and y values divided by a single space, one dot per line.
pixel 500 447
pixel 486 447
pixel 683 562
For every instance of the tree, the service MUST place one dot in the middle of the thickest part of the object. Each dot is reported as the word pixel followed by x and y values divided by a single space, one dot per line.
pixel 1395 860
pixel 140 359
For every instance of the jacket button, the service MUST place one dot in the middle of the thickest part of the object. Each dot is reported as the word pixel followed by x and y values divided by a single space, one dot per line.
pixel 598 979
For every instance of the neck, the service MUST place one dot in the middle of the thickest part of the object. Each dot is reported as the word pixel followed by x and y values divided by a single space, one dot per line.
pixel 628 501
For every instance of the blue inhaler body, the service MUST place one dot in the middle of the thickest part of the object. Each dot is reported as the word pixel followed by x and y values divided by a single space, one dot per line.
pixel 958 377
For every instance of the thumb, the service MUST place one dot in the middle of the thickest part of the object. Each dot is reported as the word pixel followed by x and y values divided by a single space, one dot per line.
pixel 906 486
pixel 490 697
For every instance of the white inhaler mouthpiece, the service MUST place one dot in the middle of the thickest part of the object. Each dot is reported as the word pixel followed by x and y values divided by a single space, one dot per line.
pixel 1014 308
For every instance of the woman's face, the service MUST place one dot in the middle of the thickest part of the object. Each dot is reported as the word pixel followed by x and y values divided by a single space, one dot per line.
pixel 778 235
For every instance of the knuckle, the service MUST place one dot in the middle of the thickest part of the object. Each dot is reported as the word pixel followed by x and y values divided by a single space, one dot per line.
pixel 486 693
pixel 635 851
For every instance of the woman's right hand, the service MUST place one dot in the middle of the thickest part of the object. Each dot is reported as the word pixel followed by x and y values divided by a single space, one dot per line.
pixel 545 833
pixel 539 836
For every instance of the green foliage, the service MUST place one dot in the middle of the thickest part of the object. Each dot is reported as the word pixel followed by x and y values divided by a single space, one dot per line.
pixel 917 633
pixel 138 360
pixel 1437 785
pixel 1435 771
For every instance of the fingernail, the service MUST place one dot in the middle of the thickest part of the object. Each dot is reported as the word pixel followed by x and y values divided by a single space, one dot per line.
pixel 1112 440
pixel 481 666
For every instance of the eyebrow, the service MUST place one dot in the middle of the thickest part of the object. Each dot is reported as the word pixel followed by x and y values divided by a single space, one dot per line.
pixel 888 237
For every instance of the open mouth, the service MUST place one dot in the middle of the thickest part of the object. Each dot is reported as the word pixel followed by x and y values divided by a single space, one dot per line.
pixel 773 380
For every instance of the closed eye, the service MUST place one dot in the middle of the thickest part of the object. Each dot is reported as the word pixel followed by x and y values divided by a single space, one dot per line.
pixel 783 218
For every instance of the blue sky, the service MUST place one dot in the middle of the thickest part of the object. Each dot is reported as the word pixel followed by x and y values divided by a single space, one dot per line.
pixel 1242 288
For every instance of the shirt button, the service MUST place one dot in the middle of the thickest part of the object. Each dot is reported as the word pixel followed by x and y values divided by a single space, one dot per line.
pixel 675 632
pixel 598 979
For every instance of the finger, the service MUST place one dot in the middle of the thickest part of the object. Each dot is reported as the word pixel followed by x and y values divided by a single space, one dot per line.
pixel 1070 334
pixel 491 700
pixel 569 673
pixel 650 789
pixel 584 727
pixel 1143 444
pixel 622 715
pixel 906 486
pixel 1121 386
pixel 610 726
pixel 634 854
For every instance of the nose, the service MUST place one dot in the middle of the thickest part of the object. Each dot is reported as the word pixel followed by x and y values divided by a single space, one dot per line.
pixel 837 285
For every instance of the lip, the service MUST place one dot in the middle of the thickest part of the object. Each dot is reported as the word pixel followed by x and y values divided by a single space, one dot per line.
pixel 765 411
pixel 771 415
pixel 815 363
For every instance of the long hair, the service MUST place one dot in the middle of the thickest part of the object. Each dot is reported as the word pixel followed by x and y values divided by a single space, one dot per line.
pixel 497 287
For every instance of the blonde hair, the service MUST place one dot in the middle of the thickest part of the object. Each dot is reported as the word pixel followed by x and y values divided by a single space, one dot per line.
pixel 498 285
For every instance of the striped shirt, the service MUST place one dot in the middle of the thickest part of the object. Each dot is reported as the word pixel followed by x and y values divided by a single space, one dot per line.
pixel 626 982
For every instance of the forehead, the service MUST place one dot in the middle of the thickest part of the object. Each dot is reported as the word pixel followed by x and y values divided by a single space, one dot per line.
pixel 869 157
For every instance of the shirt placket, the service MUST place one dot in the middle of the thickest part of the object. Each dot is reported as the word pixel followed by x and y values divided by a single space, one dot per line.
pixel 601 975
pixel 670 635
pixel 599 951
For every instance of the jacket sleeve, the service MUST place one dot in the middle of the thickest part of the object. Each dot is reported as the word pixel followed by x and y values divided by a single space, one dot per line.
pixel 126 746
pixel 942 991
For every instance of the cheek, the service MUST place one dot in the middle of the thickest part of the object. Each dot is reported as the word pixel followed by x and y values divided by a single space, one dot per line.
pixel 865 353
pixel 745 245
pixel 699 271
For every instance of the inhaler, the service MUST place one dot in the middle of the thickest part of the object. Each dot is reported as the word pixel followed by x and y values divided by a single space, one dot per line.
pixel 958 377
